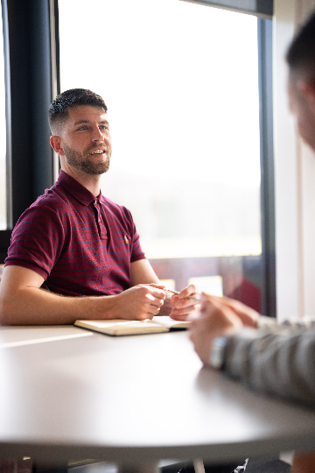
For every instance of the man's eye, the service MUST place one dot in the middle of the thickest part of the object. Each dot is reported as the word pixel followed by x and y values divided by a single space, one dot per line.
pixel 82 128
pixel 103 127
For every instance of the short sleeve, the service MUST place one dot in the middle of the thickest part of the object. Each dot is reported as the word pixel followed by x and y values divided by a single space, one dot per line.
pixel 37 240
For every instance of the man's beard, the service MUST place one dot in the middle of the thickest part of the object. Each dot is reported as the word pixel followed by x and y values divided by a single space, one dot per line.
pixel 77 160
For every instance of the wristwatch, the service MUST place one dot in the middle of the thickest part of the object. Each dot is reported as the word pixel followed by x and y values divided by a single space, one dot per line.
pixel 217 352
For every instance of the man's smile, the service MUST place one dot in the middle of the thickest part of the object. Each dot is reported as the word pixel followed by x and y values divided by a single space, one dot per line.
pixel 98 151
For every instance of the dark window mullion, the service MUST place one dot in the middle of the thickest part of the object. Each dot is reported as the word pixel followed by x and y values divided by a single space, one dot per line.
pixel 267 167
pixel 29 94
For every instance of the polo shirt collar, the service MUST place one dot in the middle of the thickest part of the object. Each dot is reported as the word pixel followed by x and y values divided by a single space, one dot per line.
pixel 81 193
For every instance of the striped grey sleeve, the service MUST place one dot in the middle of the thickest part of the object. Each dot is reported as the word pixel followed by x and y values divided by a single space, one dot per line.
pixel 275 358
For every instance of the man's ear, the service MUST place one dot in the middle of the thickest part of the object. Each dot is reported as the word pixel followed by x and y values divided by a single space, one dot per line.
pixel 56 144
pixel 307 89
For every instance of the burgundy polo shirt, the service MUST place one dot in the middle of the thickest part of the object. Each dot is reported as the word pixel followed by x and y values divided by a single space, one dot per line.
pixel 80 244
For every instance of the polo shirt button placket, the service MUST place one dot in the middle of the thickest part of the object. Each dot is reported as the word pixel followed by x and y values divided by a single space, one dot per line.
pixel 102 228
pixel 97 210
pixel 99 220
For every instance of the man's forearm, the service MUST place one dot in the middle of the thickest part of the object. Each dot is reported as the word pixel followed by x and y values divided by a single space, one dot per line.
pixel 34 306
pixel 30 305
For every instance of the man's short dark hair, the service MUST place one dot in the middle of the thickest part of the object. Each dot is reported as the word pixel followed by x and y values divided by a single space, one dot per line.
pixel 301 53
pixel 58 110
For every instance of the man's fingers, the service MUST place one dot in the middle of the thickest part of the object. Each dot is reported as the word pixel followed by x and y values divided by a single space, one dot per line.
pixel 154 290
pixel 158 286
pixel 154 304
pixel 184 295
pixel 176 316
pixel 185 304
pixel 188 292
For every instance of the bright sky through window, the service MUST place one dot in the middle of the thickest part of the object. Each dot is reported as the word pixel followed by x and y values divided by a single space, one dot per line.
pixel 180 81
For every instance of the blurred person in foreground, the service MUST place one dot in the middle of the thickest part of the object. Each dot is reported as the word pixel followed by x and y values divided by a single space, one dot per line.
pixel 267 356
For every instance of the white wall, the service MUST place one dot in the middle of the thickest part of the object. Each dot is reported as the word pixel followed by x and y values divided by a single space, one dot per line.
pixel 294 181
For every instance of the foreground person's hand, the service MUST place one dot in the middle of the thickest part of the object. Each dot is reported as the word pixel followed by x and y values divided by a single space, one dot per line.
pixel 213 319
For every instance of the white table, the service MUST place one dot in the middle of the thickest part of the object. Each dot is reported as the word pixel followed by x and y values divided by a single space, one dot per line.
pixel 67 393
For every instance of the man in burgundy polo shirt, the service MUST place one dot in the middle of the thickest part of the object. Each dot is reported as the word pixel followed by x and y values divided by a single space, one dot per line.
pixel 77 242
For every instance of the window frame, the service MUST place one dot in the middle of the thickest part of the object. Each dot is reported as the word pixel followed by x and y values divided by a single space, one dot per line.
pixel 267 186
pixel 30 80
pixel 260 8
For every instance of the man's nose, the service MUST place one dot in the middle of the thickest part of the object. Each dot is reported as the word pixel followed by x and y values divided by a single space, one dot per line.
pixel 97 135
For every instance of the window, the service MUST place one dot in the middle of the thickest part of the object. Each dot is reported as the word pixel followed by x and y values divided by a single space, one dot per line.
pixel 27 53
pixel 181 84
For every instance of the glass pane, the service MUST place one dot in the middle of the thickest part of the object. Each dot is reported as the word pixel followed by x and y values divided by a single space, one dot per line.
pixel 181 84
pixel 3 187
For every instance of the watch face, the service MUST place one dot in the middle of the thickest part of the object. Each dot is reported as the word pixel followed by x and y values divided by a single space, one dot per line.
pixel 217 352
